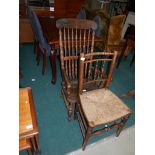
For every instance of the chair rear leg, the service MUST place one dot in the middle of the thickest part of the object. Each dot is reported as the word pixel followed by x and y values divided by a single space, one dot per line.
pixel 38 55
pixel 44 62
pixel 70 110
pixel 75 111
pixel 120 128
pixel 35 46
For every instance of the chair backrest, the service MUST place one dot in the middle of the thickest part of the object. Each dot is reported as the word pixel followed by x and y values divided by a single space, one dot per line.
pixel 96 70
pixel 75 36
pixel 115 29
pixel 81 14
pixel 37 28
pixel 97 20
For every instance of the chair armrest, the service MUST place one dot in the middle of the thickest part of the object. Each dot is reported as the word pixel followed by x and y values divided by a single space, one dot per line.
pixel 65 78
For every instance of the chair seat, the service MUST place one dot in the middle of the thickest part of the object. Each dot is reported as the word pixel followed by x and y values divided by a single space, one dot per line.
pixel 73 96
pixel 102 106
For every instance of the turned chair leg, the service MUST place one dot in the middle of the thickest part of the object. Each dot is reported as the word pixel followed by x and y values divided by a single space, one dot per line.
pixel 120 128
pixel 75 111
pixel 88 134
pixel 70 110
pixel 44 62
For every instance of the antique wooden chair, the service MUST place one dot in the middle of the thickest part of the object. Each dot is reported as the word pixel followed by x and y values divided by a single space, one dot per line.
pixel 98 109
pixel 75 36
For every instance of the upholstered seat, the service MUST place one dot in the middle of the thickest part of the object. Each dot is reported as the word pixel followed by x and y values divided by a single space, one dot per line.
pixel 110 107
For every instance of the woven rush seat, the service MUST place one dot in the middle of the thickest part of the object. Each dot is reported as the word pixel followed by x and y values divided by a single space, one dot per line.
pixel 110 107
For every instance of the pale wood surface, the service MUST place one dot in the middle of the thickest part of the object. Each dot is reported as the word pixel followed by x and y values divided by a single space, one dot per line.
pixel 25 119
pixel 24 144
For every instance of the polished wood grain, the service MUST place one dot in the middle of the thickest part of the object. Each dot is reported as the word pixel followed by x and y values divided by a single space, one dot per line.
pixel 28 128
pixel 25 119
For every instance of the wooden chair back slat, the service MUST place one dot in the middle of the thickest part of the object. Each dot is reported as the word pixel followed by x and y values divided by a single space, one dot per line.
pixel 96 68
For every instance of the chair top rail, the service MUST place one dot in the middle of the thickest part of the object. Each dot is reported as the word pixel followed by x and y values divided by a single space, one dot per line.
pixel 76 23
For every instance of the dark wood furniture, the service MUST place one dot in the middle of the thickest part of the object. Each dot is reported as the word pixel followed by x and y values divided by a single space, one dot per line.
pixel 51 33
pixel 75 36
pixel 98 109
pixel 28 128
pixel 62 8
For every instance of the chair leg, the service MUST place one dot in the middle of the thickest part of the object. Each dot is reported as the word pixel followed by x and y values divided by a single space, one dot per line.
pixel 120 128
pixel 88 134
pixel 69 105
pixel 53 65
pixel 75 111
pixel 44 62
pixel 70 110
pixel 29 151
pixel 38 55
pixel 35 46
pixel 133 59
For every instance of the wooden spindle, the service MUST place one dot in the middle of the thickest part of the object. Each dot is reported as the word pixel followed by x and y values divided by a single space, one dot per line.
pixel 69 53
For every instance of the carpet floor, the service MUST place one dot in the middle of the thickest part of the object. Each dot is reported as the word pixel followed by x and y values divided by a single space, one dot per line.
pixel 57 136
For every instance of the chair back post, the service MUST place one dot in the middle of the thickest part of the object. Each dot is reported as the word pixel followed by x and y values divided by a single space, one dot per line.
pixel 111 70
pixel 81 71
pixel 61 48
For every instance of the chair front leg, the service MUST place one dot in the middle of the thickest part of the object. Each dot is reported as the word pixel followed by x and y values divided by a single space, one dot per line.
pixel 87 136
pixel 120 128
pixel 70 110
pixel 44 62
pixel 53 65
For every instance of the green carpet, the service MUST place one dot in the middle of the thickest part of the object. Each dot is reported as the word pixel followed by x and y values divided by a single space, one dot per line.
pixel 57 136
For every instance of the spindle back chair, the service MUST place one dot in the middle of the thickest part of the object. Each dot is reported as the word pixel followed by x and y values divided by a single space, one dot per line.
pixel 98 109
pixel 75 36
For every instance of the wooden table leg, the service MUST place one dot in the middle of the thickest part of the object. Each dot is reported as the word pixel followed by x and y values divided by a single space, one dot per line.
pixel 53 65
pixel 37 144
